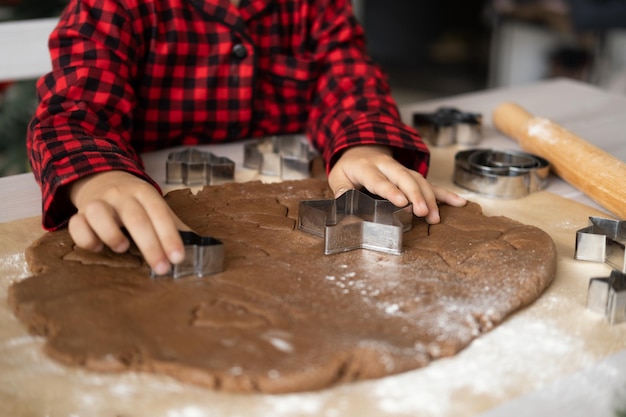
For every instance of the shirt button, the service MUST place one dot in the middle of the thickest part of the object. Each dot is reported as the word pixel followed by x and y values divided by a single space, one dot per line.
pixel 239 51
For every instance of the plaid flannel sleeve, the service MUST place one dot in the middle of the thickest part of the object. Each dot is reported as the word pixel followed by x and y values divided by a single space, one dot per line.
pixel 353 104
pixel 83 124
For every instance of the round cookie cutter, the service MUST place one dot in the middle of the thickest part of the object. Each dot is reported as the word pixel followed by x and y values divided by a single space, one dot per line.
pixel 500 173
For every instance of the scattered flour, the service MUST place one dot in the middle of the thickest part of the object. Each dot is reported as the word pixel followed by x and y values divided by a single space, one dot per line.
pixel 492 366
pixel 542 130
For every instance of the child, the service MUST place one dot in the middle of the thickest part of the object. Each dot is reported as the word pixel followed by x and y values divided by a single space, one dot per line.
pixel 131 76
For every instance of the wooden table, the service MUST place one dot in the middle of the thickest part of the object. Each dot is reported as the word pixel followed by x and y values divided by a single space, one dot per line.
pixel 552 358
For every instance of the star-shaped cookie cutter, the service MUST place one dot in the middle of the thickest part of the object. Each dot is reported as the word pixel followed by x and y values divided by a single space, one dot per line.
pixel 287 156
pixel 603 241
pixel 356 220
pixel 204 255
pixel 194 167
pixel 607 295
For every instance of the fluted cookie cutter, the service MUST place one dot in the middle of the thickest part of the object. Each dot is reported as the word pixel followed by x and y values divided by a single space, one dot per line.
pixel 448 126
pixel 204 255
pixel 194 167
pixel 603 241
pixel 356 220
pixel 501 173
pixel 287 156
pixel 607 295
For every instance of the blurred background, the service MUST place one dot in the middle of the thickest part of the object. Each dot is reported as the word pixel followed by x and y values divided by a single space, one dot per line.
pixel 429 50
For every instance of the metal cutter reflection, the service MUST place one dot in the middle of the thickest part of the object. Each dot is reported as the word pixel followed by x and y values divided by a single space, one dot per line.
pixel 204 255
pixel 194 167
pixel 608 296
pixel 500 173
pixel 356 220
pixel 603 241
pixel 287 156
pixel 448 126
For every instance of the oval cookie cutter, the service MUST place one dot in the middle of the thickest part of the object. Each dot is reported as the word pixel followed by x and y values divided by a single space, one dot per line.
pixel 500 173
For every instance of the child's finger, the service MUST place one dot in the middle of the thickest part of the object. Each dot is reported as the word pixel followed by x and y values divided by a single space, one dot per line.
pixel 138 224
pixel 103 220
pixel 449 197
pixel 166 226
pixel 82 234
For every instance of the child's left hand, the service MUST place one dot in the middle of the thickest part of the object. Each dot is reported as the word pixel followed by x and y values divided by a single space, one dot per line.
pixel 372 167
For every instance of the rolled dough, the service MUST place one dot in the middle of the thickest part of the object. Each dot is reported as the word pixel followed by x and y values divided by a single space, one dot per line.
pixel 283 317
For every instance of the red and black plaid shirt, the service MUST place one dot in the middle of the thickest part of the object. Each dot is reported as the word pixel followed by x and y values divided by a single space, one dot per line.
pixel 131 76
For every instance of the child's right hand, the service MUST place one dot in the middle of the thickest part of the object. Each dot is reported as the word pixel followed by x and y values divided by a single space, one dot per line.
pixel 108 201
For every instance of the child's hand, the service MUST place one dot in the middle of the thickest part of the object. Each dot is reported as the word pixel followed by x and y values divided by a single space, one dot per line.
pixel 373 167
pixel 110 200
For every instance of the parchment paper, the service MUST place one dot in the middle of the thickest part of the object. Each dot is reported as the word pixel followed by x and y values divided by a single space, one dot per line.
pixel 553 340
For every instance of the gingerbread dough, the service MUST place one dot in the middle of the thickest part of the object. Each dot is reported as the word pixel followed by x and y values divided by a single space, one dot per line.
pixel 283 317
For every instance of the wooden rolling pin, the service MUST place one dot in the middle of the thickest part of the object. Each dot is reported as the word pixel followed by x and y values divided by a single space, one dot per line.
pixel 590 169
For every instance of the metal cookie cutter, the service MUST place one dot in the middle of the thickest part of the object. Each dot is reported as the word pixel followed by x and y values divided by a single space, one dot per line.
pixel 501 173
pixel 448 126
pixel 608 296
pixel 193 167
pixel 603 241
pixel 287 156
pixel 356 220
pixel 204 255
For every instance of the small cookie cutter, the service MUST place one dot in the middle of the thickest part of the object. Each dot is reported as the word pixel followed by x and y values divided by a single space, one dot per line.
pixel 287 156
pixel 607 296
pixel 204 255
pixel 356 220
pixel 194 167
pixel 603 241
pixel 500 173
pixel 448 126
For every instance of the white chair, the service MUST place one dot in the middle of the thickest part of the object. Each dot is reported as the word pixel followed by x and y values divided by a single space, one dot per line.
pixel 24 48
